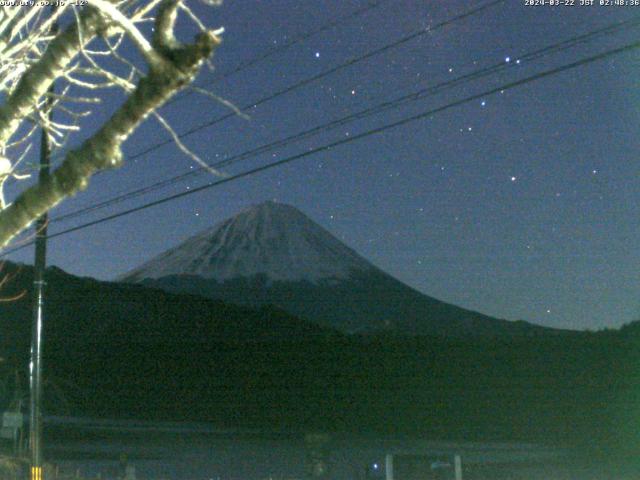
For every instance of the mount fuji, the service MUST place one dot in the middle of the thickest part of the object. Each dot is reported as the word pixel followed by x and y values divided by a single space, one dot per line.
pixel 272 239
pixel 272 253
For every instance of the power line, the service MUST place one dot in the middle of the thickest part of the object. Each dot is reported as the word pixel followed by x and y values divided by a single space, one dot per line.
pixel 285 46
pixel 418 95
pixel 252 61
pixel 368 133
pixel 307 81
pixel 456 18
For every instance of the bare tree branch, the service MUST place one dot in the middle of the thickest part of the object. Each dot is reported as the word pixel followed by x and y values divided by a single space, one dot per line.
pixel 35 82
pixel 176 68
pixel 87 56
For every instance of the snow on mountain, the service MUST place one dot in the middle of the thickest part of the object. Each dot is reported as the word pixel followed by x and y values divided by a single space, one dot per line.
pixel 273 239
pixel 272 254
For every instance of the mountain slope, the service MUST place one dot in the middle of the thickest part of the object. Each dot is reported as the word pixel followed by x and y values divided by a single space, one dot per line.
pixel 83 311
pixel 116 349
pixel 126 351
pixel 272 239
pixel 273 254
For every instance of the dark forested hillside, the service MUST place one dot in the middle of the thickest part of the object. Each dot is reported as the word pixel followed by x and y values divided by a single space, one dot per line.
pixel 116 350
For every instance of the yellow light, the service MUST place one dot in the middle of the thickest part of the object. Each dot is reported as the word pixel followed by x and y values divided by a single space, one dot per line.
pixel 36 473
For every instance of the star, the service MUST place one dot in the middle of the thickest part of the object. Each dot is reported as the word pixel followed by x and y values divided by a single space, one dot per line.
pixel 513 178
pixel 317 54
pixel 507 59
pixel 483 103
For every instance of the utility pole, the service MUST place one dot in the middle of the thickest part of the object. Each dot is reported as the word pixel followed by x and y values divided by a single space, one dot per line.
pixel 35 365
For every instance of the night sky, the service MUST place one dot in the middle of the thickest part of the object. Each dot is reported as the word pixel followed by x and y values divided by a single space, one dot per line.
pixel 522 204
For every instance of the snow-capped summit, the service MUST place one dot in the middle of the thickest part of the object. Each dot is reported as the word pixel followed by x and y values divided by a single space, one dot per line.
pixel 273 254
pixel 272 239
